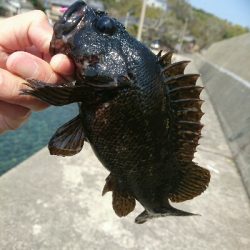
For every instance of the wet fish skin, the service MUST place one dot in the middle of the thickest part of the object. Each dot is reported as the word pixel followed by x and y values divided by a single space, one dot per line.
pixel 139 112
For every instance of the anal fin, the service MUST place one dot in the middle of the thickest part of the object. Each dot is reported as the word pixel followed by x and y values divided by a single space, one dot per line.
pixel 68 139
pixel 109 185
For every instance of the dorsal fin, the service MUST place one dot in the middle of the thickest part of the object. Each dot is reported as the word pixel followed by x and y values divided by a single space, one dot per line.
pixel 159 54
pixel 185 92
pixel 182 80
pixel 193 181
pixel 166 58
pixel 184 102
pixel 175 68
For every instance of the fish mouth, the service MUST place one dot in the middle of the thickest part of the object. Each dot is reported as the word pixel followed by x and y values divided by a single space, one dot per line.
pixel 67 24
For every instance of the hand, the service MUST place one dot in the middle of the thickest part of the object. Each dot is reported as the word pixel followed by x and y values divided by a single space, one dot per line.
pixel 24 53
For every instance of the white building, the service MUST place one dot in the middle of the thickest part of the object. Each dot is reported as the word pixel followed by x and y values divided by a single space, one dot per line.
pixel 162 4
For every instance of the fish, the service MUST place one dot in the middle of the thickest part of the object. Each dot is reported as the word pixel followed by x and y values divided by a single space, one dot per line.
pixel 139 112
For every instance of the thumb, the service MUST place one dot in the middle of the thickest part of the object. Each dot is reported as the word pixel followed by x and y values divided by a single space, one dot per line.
pixel 28 66
pixel 62 65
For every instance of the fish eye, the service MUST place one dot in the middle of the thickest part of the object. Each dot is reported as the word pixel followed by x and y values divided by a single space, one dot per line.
pixel 106 25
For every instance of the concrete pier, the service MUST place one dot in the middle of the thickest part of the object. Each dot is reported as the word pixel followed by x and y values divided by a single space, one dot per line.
pixel 225 72
pixel 53 203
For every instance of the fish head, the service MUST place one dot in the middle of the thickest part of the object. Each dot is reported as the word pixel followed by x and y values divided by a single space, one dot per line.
pixel 98 44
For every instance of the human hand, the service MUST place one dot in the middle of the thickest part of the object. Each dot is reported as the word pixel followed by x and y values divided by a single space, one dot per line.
pixel 24 53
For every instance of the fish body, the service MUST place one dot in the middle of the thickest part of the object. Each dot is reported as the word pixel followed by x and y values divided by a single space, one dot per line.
pixel 139 112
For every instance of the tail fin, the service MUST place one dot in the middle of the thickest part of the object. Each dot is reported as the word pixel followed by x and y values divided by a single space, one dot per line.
pixel 169 211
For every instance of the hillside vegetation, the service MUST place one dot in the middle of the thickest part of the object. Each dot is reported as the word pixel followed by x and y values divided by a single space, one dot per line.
pixel 180 20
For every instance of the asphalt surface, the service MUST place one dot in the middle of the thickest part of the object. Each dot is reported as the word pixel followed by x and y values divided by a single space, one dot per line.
pixel 55 203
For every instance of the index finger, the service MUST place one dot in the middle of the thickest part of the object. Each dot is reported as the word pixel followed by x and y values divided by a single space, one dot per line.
pixel 25 30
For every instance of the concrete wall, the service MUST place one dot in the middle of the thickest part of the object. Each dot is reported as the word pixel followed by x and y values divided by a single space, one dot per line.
pixel 225 71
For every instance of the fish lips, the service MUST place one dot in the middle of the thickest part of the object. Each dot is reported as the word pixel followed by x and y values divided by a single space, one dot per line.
pixel 67 24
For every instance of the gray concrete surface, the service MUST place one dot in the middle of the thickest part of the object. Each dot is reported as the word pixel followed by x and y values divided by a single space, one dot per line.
pixel 225 72
pixel 53 203
pixel 232 54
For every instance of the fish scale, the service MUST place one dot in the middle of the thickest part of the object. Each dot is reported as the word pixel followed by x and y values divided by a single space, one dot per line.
pixel 139 112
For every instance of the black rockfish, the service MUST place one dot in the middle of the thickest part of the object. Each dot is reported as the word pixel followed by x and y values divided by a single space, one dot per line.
pixel 139 112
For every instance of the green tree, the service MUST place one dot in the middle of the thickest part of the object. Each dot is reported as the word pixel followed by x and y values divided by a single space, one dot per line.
pixel 181 19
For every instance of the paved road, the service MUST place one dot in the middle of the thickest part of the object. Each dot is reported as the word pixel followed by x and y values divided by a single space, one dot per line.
pixel 56 204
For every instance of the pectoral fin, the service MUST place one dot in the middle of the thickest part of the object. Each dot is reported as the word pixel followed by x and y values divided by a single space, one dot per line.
pixel 68 139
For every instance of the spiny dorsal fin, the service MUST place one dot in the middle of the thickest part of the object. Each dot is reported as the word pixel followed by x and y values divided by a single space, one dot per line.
pixel 182 80
pixel 193 181
pixel 159 54
pixel 185 92
pixel 184 131
pixel 166 58
pixel 189 115
pixel 175 68
pixel 185 104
